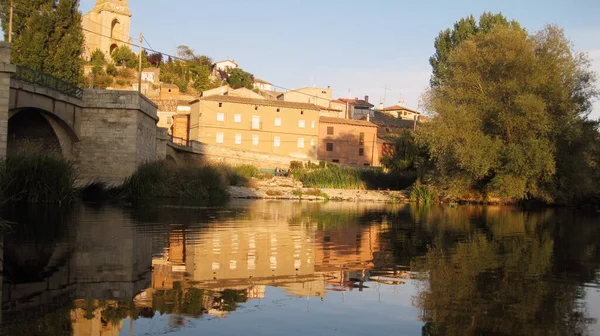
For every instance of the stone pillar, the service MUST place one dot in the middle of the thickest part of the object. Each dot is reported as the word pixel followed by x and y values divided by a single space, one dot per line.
pixel 6 70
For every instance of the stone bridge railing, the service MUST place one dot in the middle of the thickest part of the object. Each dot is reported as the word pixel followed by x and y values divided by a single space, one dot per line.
pixel 28 75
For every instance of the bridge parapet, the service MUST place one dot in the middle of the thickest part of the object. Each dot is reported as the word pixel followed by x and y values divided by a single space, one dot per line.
pixel 32 76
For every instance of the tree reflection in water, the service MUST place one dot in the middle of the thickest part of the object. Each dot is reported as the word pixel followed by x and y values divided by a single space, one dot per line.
pixel 504 275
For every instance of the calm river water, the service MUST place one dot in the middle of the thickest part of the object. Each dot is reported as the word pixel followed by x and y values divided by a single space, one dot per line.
pixel 291 268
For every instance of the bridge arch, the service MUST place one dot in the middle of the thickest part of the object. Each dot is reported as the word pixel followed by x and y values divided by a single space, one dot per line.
pixel 39 128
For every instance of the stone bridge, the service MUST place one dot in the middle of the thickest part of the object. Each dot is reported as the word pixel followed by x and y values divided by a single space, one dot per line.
pixel 106 133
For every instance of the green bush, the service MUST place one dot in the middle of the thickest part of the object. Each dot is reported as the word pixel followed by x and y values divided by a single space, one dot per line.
pixel 161 180
pixel 121 82
pixel 423 194
pixel 111 69
pixel 35 175
pixel 294 165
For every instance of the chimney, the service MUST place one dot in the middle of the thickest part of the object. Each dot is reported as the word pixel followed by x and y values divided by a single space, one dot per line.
pixel 367 99
pixel 369 116
pixel 381 105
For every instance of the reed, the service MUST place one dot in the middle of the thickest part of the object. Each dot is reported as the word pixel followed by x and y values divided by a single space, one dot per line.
pixel 36 176
pixel 161 180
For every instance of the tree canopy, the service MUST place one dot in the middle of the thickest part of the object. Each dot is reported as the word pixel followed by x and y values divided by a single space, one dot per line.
pixel 238 78
pixel 47 36
pixel 190 70
pixel 511 113
pixel 463 30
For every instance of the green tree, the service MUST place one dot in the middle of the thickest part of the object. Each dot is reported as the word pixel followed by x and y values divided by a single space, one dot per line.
pixel 405 155
pixel 65 45
pixel 508 107
pixel 238 78
pixel 97 57
pixel 191 70
pixel 463 30
pixel 124 56
pixel 47 36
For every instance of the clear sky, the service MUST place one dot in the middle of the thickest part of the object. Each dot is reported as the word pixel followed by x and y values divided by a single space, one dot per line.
pixel 361 46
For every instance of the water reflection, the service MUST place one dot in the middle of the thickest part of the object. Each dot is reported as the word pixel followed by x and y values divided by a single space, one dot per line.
pixel 298 267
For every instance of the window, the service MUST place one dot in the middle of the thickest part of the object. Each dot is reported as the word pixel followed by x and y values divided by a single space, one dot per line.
pixel 238 139
pixel 255 140
pixel 312 142
pixel 277 121
pixel 237 118
pixel 300 142
pixel 330 130
pixel 301 123
pixel 366 165
pixel 220 104
pixel 255 122
pixel 220 136
pixel 361 152
pixel 361 140
pixel 276 141
pixel 220 116
pixel 278 110
pixel 169 120
pixel 335 161
pixel 302 112
pixel 330 146
pixel 255 108
pixel 313 124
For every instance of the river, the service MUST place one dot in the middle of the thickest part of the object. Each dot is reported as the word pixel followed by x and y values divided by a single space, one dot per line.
pixel 299 268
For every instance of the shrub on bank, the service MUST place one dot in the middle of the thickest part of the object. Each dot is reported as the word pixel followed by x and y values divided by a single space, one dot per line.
pixel 37 176
pixel 334 176
pixel 161 180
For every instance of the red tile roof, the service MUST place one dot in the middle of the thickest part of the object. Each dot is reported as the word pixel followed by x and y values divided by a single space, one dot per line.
pixel 330 120
pixel 398 108
pixel 259 102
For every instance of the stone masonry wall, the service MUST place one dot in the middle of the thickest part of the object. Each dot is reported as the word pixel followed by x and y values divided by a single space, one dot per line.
pixel 6 70
pixel 118 133
pixel 217 154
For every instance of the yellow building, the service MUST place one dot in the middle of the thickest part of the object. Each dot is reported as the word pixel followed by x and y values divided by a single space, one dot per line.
pixel 106 27
pixel 310 95
pixel 259 125
pixel 401 112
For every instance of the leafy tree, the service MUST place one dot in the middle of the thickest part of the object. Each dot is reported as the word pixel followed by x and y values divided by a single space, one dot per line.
pixel 97 57
pixel 45 34
pixel 511 115
pixel 124 56
pixel 192 70
pixel 238 78
pixel 463 30
pixel 156 59
pixel 406 154
pixel 66 43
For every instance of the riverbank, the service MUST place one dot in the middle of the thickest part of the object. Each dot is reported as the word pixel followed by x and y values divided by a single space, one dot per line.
pixel 289 189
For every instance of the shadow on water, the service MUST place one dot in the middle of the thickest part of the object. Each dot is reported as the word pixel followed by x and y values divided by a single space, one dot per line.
pixel 472 270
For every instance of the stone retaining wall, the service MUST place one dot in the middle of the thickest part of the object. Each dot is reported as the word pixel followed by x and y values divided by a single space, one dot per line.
pixel 218 154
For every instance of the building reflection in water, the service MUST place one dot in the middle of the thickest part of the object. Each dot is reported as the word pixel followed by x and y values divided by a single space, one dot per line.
pixel 79 273
pixel 276 244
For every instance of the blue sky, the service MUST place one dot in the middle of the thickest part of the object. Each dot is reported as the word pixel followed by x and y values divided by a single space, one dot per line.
pixel 353 45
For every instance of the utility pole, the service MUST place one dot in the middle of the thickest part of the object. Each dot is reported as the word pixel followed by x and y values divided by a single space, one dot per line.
pixel 140 65
pixel 10 23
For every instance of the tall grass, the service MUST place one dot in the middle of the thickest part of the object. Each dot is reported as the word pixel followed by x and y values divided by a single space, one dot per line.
pixel 37 176
pixel 238 175
pixel 161 180
pixel 334 176
pixel 423 194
